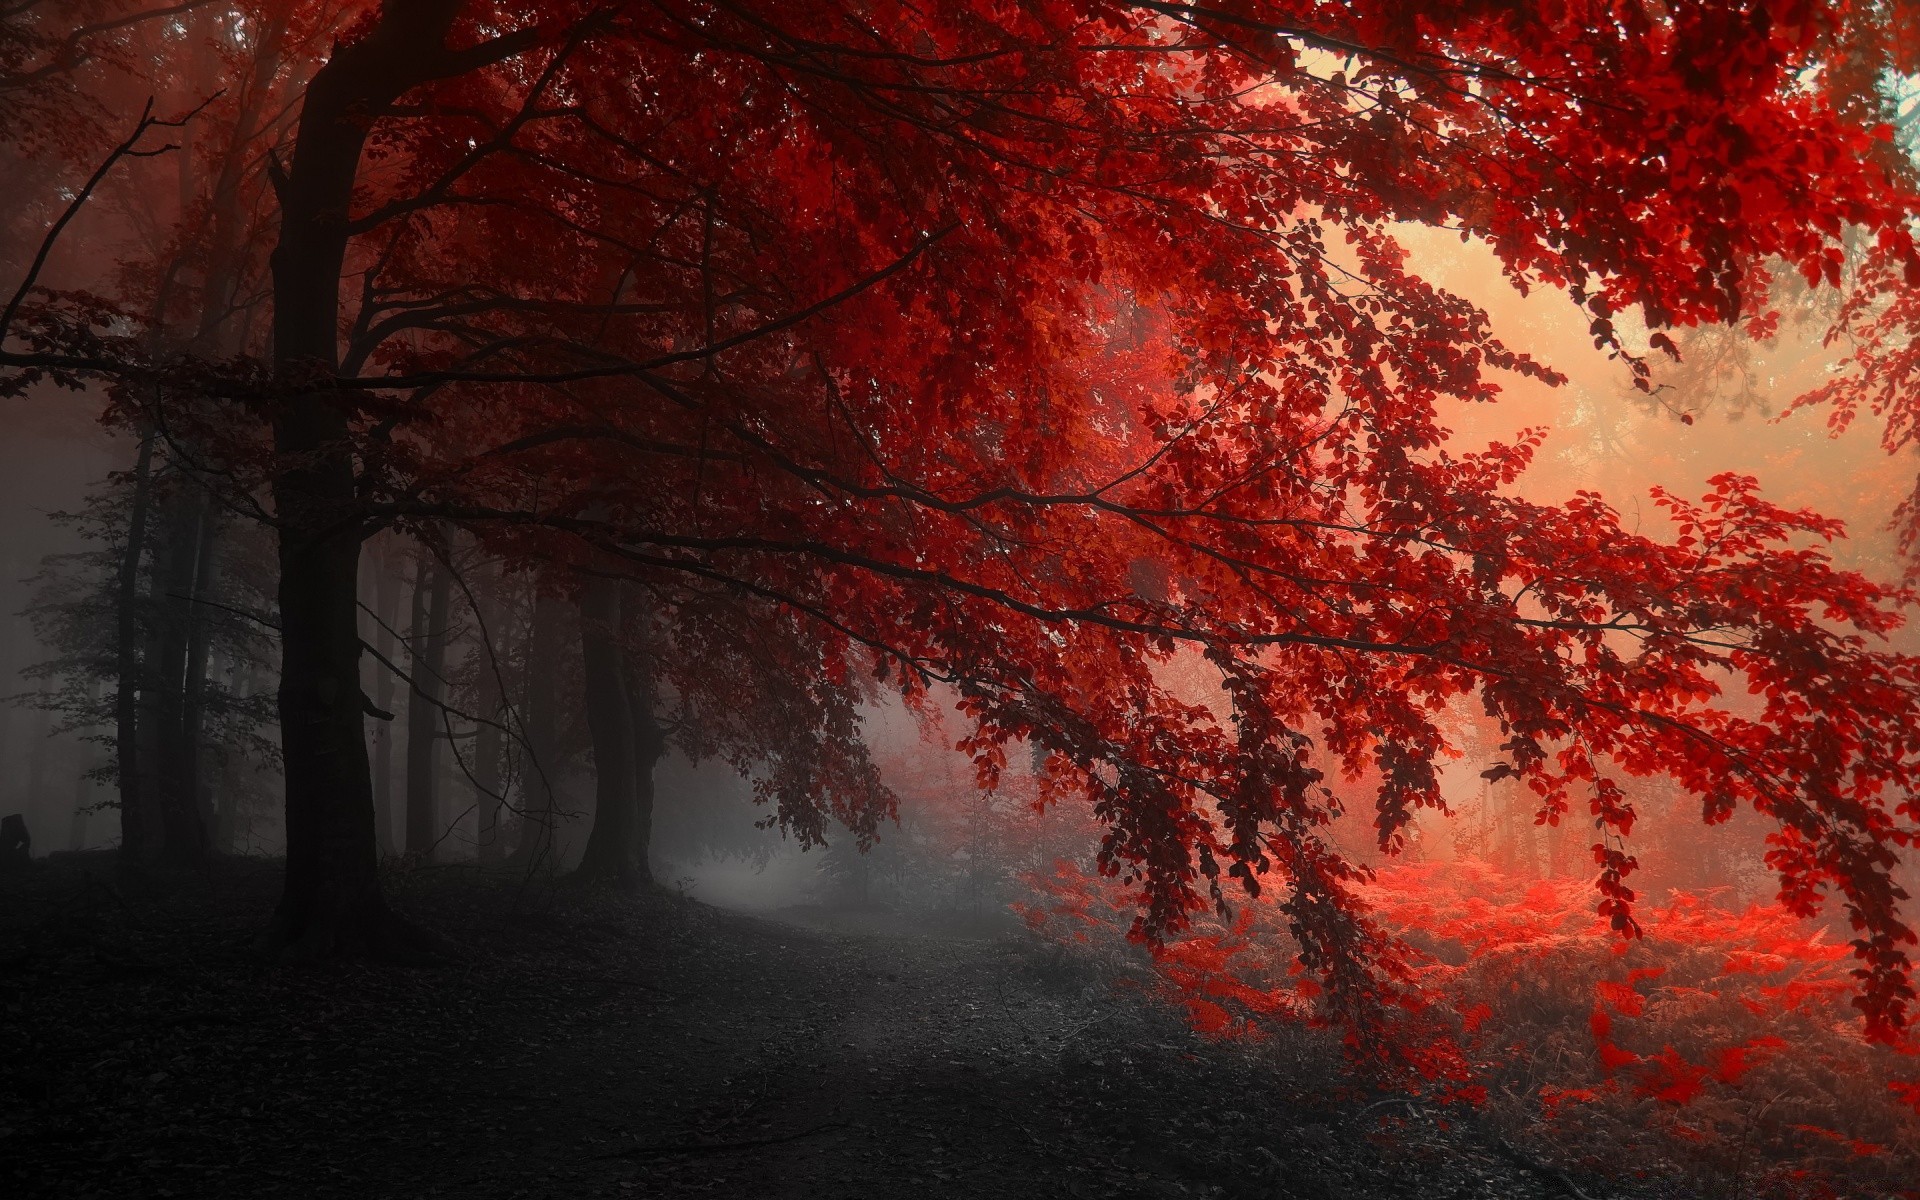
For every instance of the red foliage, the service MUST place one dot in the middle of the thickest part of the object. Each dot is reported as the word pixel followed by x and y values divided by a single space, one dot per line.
pixel 1767 1062
pixel 1907 1092
pixel 1622 996
pixel 1733 1062
pixel 1040 346
pixel 1672 1078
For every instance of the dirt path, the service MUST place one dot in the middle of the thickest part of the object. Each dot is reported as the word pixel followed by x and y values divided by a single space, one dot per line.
pixel 644 1048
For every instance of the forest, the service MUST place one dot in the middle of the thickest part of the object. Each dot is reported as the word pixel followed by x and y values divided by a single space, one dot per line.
pixel 994 598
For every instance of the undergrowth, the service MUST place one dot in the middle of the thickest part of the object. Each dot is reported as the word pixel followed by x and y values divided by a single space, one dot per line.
pixel 1719 1051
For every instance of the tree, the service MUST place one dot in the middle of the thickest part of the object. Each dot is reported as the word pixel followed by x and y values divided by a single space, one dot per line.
pixel 427 639
pixel 488 675
pixel 384 615
pixel 540 754
pixel 105 612
pixel 1022 346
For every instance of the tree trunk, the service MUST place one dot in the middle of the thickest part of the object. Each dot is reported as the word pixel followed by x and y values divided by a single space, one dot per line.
pixel 649 739
pixel 195 788
pixel 540 757
pixel 610 846
pixel 332 899
pixel 486 789
pixel 165 686
pixel 386 603
pixel 136 831
pixel 426 721
pixel 82 797
pixel 491 706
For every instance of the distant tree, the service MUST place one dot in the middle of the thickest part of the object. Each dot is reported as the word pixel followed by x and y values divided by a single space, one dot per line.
pixel 190 671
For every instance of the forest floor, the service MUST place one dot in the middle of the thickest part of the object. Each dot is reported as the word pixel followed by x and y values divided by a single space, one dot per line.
pixel 595 1045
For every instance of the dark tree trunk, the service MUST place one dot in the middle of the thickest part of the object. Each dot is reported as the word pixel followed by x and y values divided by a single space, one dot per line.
pixel 426 720
pixel 417 808
pixel 610 846
pixel 386 604
pixel 491 709
pixel 649 739
pixel 137 835
pixel 166 685
pixel 649 746
pixel 490 740
pixel 82 798
pixel 486 789
pixel 540 757
pixel 194 783
pixel 332 899
pixel 230 822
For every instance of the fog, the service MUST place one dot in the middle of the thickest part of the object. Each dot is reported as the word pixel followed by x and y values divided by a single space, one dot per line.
pixel 1603 437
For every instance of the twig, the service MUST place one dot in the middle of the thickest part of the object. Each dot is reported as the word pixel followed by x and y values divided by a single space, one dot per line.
pixel 126 149
pixel 1412 1108
pixel 1081 1028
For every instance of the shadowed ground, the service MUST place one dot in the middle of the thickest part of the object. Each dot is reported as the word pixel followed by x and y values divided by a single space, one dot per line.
pixel 647 1046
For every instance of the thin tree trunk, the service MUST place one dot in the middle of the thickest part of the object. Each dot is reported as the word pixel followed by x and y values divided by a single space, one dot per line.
pixel 432 588
pixel 491 708
pixel 610 845
pixel 82 797
pixel 194 784
pixel 416 812
pixel 136 834
pixel 386 603
pixel 486 791
pixel 649 739
pixel 540 757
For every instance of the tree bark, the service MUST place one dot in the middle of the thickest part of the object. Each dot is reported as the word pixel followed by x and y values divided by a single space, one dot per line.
pixel 610 845
pixel 166 684
pixel 649 739
pixel 425 715
pixel 491 708
pixel 386 604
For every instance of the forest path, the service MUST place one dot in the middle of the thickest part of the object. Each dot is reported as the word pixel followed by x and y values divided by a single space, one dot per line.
pixel 644 1046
